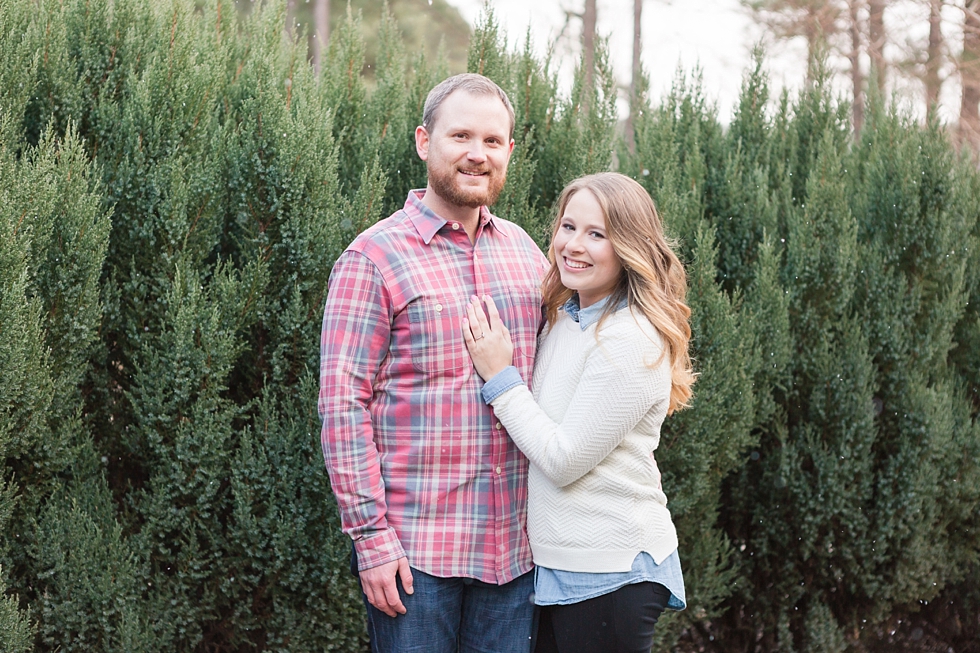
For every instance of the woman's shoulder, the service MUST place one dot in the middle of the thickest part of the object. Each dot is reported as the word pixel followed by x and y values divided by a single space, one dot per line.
pixel 630 323
pixel 629 333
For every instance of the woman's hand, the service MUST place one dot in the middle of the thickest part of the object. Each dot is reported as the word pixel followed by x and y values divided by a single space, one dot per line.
pixel 488 341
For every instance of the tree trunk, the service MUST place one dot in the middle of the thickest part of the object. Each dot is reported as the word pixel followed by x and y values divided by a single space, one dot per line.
pixel 811 32
pixel 635 81
pixel 588 54
pixel 876 40
pixel 857 78
pixel 321 32
pixel 934 57
pixel 970 75
pixel 290 20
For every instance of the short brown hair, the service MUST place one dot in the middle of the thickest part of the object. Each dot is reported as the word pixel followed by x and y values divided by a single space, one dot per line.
pixel 469 82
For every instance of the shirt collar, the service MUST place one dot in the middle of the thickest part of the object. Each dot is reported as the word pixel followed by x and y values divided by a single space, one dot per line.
pixel 588 316
pixel 427 223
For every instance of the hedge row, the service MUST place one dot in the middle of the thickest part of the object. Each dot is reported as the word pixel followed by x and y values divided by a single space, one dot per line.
pixel 174 187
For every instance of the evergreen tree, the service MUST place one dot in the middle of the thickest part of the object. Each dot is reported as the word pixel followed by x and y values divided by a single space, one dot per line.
pixel 15 629
pixel 162 486
pixel 846 513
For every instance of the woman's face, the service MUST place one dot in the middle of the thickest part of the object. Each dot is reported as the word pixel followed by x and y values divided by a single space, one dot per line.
pixel 585 257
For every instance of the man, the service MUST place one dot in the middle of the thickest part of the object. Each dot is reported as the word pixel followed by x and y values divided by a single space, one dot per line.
pixel 430 487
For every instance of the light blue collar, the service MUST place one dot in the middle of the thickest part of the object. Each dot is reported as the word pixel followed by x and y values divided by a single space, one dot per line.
pixel 588 316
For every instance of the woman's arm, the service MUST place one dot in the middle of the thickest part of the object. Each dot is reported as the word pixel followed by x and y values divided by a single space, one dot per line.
pixel 616 389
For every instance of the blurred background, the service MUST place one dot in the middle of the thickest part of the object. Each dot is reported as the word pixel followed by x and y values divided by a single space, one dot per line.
pixel 921 50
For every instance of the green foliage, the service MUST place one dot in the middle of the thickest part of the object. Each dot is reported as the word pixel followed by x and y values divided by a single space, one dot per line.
pixel 175 185
pixel 15 629
pixel 696 454
pixel 864 483
pixel 849 480
pixel 91 598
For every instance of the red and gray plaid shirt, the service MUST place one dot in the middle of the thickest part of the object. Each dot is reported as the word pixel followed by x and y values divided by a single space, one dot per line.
pixel 418 463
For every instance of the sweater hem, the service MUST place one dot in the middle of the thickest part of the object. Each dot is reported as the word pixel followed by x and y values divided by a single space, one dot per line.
pixel 599 561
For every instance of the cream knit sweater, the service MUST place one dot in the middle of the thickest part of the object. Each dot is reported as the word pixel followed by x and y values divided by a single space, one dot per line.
pixel 589 431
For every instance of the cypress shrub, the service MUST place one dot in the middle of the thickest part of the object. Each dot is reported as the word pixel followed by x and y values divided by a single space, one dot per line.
pixel 677 145
pixel 162 485
pixel 860 501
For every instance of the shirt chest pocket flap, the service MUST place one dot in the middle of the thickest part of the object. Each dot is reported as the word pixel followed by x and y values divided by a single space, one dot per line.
pixel 435 324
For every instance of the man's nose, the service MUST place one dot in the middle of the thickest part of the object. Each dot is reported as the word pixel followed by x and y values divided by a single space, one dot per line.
pixel 476 152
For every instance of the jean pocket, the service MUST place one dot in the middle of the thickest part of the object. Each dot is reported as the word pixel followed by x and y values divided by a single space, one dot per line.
pixel 435 325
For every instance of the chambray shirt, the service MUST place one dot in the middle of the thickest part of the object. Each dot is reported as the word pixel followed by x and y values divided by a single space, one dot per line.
pixel 558 587
pixel 419 464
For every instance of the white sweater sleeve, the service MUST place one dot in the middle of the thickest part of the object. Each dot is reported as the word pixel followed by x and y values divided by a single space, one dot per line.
pixel 617 388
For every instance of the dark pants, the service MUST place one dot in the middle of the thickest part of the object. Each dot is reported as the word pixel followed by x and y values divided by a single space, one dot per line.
pixel 618 622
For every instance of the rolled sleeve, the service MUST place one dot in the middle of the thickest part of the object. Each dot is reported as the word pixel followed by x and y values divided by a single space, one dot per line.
pixel 503 381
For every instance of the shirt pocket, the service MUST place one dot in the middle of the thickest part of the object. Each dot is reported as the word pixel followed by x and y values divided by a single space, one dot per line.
pixel 435 327
pixel 520 311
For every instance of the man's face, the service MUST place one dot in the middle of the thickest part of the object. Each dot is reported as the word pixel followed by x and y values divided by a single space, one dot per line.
pixel 467 149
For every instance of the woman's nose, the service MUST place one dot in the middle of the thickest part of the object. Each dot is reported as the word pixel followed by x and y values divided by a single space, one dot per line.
pixel 575 243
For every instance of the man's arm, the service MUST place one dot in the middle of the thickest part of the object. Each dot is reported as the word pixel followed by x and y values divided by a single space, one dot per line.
pixel 353 342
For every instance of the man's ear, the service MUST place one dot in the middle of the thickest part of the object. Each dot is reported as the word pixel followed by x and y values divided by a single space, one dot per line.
pixel 510 150
pixel 422 142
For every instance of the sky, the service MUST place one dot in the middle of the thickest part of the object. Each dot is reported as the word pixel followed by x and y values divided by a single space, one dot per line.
pixel 716 35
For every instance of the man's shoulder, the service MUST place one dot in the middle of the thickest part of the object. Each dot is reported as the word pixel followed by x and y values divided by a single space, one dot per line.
pixel 510 228
pixel 383 233
pixel 385 241
pixel 516 234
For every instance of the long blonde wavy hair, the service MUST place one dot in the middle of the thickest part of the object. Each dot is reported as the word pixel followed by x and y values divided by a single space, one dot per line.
pixel 652 281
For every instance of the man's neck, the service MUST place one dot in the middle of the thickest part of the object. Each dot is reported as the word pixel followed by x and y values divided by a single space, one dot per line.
pixel 466 216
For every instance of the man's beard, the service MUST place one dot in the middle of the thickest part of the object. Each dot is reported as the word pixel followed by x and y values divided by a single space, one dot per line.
pixel 444 185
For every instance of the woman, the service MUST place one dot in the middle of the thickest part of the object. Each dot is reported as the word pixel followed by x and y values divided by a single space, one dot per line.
pixel 612 364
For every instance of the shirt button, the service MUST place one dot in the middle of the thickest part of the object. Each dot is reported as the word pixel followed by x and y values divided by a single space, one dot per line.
pixel 438 308
pixel 497 426
pixel 455 226
pixel 497 470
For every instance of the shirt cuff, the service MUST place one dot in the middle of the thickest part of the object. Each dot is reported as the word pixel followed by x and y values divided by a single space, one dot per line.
pixel 503 381
pixel 378 549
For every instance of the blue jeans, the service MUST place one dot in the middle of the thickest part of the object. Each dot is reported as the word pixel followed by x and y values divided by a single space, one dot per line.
pixel 450 615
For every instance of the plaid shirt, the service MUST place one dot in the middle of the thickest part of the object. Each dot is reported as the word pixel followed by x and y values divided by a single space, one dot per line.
pixel 418 463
